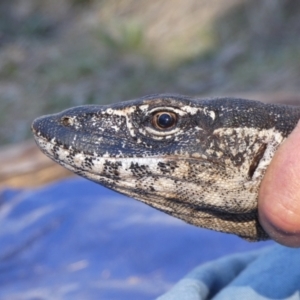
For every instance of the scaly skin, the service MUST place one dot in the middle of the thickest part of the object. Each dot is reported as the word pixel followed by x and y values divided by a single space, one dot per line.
pixel 202 161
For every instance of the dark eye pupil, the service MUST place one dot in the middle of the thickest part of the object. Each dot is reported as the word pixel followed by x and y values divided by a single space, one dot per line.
pixel 165 120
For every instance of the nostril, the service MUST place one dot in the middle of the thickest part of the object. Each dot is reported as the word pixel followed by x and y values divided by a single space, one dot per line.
pixel 67 121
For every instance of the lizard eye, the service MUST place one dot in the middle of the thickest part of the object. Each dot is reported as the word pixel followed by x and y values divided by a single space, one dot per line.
pixel 164 120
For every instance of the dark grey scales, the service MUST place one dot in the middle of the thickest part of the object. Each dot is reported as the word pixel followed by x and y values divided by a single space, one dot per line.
pixel 199 160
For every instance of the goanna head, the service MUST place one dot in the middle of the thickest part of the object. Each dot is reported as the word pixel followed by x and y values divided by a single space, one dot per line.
pixel 199 160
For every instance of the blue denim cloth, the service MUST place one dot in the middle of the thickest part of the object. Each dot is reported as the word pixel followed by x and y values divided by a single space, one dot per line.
pixel 272 273
pixel 76 240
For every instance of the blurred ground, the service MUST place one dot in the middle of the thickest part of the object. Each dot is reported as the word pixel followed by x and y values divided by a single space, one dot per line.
pixel 55 54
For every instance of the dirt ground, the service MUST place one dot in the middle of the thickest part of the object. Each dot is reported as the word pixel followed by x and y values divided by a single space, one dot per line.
pixel 57 54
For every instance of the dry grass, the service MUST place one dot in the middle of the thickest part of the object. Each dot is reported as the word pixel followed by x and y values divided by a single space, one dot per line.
pixel 55 54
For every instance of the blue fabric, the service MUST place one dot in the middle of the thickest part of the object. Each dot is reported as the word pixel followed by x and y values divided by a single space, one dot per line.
pixel 272 273
pixel 77 240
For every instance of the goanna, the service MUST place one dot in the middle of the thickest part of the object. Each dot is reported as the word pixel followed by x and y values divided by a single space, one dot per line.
pixel 199 160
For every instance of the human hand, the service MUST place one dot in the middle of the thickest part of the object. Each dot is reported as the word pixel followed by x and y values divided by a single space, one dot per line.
pixel 279 194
